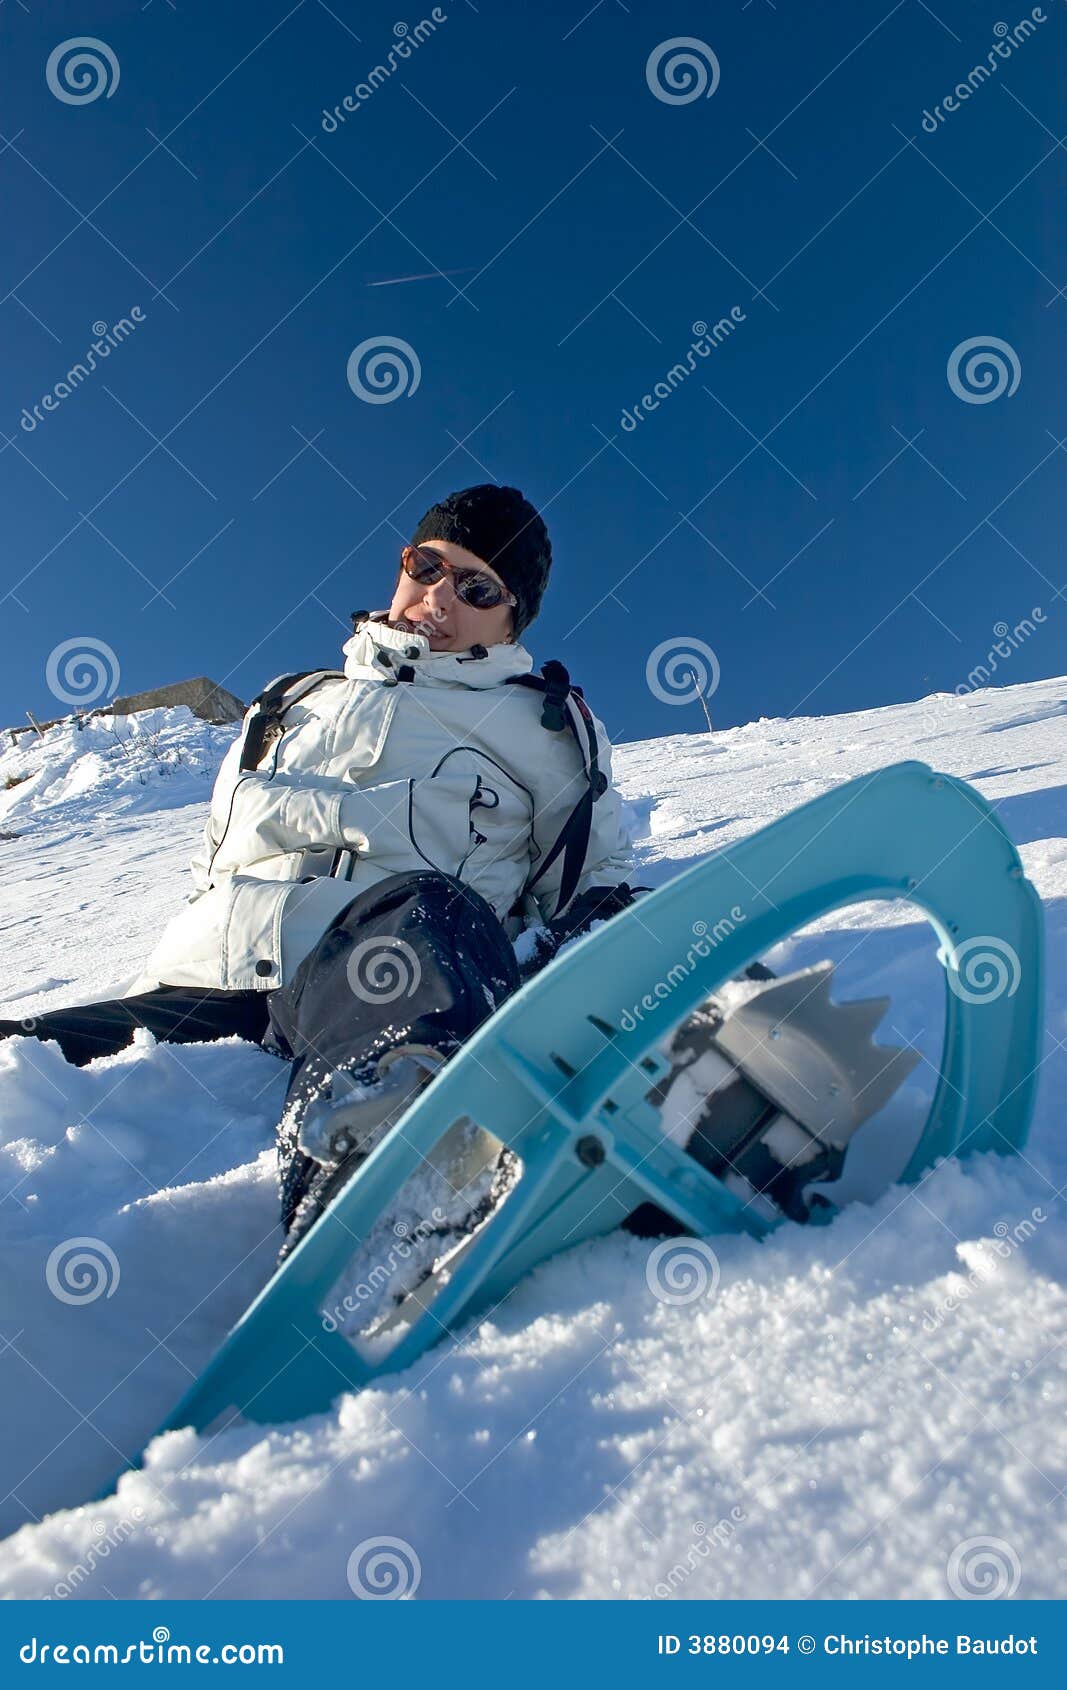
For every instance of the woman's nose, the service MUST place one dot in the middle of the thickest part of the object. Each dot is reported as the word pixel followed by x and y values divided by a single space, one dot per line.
pixel 440 592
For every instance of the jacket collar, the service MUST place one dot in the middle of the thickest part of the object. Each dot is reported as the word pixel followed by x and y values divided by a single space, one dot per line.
pixel 376 651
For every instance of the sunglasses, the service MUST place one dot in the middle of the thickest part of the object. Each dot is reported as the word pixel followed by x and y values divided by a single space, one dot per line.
pixel 472 586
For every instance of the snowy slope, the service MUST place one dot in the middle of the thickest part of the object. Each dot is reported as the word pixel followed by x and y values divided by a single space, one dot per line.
pixel 849 1408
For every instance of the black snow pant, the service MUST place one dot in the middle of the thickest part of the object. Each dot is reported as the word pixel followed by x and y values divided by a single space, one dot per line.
pixel 178 1014
pixel 416 959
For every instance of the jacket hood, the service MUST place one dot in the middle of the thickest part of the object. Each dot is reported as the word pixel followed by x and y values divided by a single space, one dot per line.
pixel 376 650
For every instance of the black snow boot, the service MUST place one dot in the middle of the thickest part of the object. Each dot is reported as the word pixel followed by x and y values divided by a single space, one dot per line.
pixel 395 986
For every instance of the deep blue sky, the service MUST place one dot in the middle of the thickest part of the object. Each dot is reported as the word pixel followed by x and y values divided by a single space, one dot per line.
pixel 523 148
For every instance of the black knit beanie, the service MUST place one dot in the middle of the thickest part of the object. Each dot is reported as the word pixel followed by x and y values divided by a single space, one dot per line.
pixel 502 529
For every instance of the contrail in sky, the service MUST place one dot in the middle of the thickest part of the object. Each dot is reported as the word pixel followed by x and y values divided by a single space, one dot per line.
pixel 425 276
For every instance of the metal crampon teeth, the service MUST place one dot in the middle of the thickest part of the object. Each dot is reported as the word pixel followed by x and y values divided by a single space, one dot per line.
pixel 777 1078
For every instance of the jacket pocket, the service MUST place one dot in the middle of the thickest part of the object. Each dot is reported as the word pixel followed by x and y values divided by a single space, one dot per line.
pixel 411 824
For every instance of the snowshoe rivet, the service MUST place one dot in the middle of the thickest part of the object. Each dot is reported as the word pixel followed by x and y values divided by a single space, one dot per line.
pixel 911 883
pixel 776 1032
pixel 938 783
pixel 1016 872
pixel 589 1151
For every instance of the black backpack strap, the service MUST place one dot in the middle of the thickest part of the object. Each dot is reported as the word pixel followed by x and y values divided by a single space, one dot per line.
pixel 270 706
pixel 565 707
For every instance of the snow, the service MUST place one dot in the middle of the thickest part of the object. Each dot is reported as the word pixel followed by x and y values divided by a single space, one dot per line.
pixel 842 1409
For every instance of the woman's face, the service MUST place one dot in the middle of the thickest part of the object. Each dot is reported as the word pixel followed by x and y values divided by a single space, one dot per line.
pixel 435 611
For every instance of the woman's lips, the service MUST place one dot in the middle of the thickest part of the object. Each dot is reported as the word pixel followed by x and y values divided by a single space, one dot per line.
pixel 431 630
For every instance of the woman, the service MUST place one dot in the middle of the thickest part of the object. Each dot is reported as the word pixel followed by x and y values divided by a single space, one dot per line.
pixel 377 841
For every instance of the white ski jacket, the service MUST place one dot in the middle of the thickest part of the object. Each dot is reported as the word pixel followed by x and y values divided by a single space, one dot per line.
pixel 412 759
